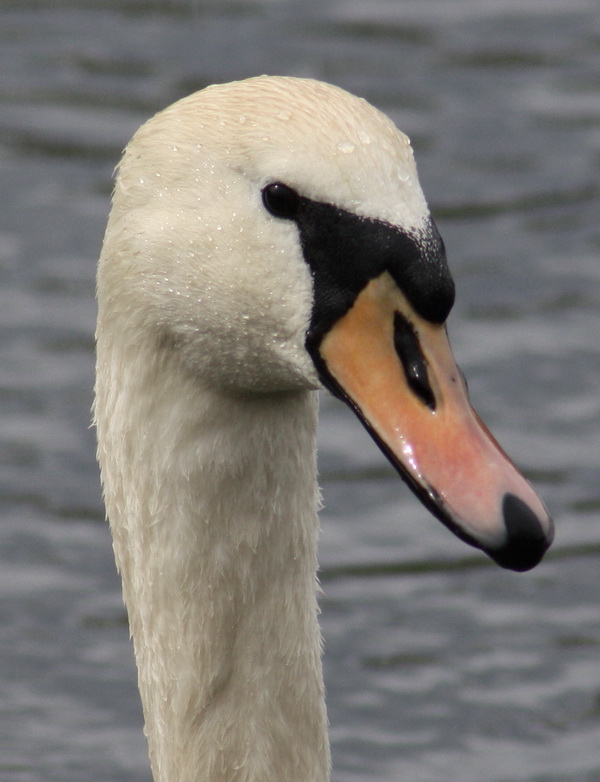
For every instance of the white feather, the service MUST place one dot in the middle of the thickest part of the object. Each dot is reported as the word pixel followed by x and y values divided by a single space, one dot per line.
pixel 206 414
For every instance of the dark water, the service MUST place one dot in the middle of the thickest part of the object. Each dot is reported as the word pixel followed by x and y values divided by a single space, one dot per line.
pixel 439 666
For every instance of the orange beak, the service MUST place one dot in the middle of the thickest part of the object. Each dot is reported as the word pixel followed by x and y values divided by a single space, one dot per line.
pixel 397 372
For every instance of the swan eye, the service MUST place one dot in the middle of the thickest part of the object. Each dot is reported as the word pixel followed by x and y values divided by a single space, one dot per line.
pixel 281 200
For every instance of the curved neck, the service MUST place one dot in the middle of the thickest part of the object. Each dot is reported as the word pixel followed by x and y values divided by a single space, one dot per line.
pixel 212 502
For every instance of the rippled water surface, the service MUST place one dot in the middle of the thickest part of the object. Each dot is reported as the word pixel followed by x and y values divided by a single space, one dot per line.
pixel 439 665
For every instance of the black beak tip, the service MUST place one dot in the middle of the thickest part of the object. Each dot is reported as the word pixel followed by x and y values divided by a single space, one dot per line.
pixel 526 541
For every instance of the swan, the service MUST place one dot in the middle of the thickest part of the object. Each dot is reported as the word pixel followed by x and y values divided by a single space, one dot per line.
pixel 267 238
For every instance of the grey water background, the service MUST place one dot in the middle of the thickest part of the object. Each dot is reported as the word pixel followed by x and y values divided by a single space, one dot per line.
pixel 440 666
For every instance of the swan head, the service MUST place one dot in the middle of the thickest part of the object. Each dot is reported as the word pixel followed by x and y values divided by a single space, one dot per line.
pixel 273 236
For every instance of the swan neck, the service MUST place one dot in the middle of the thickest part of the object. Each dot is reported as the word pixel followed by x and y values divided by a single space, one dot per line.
pixel 212 502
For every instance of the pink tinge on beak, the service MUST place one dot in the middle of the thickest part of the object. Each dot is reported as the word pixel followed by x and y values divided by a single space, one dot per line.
pixel 397 372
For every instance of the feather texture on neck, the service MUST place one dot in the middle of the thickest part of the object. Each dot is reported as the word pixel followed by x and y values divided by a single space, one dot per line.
pixel 216 545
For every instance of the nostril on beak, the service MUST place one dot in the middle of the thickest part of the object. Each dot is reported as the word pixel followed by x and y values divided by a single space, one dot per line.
pixel 413 362
pixel 526 542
